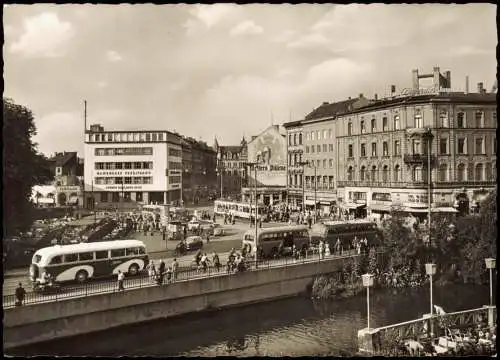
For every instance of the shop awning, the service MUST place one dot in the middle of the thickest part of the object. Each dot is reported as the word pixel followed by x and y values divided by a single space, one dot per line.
pixel 352 206
pixel 44 201
pixel 380 207
pixel 447 209
pixel 73 200
pixel 324 202
pixel 309 202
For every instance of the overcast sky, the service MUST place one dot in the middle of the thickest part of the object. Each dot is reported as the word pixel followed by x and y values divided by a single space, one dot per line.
pixel 226 70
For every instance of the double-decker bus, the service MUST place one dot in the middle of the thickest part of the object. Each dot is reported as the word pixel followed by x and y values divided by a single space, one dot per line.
pixel 80 262
pixel 346 231
pixel 269 240
pixel 240 210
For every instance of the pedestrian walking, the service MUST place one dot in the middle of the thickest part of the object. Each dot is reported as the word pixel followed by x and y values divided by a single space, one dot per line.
pixel 169 275
pixel 152 270
pixel 208 238
pixel 216 261
pixel 20 294
pixel 175 269
pixel 161 272
pixel 121 278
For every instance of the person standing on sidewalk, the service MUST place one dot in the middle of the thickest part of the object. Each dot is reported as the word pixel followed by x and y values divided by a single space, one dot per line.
pixel 121 278
pixel 161 272
pixel 175 268
pixel 20 294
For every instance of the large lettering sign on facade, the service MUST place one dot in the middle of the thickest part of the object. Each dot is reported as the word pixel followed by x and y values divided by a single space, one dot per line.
pixel 269 150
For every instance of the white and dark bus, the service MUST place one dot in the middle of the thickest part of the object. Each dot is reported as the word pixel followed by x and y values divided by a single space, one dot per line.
pixel 269 240
pixel 80 262
pixel 240 210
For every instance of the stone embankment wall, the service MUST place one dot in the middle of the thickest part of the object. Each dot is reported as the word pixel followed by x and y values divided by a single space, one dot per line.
pixel 30 324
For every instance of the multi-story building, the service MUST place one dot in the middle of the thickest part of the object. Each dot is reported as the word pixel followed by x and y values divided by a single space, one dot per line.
pixel 68 171
pixel 268 151
pixel 231 169
pixel 295 151
pixel 199 180
pixel 132 167
pixel 381 152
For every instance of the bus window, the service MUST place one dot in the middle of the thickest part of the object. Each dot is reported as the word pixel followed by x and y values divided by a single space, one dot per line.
pixel 117 253
pixel 70 258
pixel 36 259
pixel 86 256
pixel 56 260
pixel 132 251
pixel 142 251
pixel 101 255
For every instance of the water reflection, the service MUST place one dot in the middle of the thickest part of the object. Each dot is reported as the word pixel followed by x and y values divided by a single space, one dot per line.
pixel 291 327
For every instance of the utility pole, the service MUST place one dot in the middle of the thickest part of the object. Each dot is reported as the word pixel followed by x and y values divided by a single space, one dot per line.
pixel 256 215
pixel 84 205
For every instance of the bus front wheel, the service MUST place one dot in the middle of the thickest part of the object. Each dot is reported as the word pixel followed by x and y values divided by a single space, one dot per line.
pixel 82 276
pixel 133 269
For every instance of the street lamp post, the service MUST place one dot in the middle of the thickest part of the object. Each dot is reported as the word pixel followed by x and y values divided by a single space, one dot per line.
pixel 303 164
pixel 491 264
pixel 254 164
pixel 430 269
pixel 367 282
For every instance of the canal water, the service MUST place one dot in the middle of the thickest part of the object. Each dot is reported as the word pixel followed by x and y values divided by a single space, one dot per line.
pixel 290 327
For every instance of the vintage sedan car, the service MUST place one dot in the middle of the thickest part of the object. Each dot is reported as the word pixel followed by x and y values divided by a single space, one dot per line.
pixel 218 230
pixel 194 243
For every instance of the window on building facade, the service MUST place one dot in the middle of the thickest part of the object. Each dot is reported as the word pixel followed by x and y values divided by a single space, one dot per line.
pixel 127 165
pixel 385 148
pixel 396 122
pixel 443 146
pixel 479 119
pixel 307 149
pixel 313 135
pixel 461 120
pixel 488 176
pixel 461 172
pixel 330 147
pixel 350 151
pixel 443 172
pixel 330 163
pixel 385 174
pixel 110 137
pixel 494 118
pixel 479 176
pixel 385 124
pixel 313 148
pixel 324 148
pixel 118 180
pixel 319 134
pixel 154 137
pixel 417 173
pixel 160 136
pixel 95 137
pixel 349 129
pixel 128 180
pixel 330 182
pixel 295 139
pixel 494 142
pixel 397 173
pixel 109 166
pixel 443 119
pixel 416 146
pixel 290 139
pixel 374 149
pixel 363 129
pixel 419 123
pixel 318 148
pixel 362 173
pixel 324 163
pixel 374 125
pixel 373 176
pixel 300 138
pixel 325 134
pixel 99 166
pixel 115 197
pixel 118 165
pixel 363 150
pixel 479 146
pixel 308 136
pixel 462 146
pixel 350 173
pixel 318 163
pixel 330 133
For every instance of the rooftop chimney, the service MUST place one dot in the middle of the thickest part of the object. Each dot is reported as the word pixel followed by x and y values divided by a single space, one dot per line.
pixel 467 84
pixel 447 75
pixel 480 87
pixel 376 97
pixel 393 89
pixel 325 103
pixel 361 95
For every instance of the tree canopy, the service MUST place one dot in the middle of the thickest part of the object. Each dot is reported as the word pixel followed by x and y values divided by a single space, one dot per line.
pixel 23 167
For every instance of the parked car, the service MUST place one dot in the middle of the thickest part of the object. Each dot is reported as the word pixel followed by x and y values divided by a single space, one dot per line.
pixel 194 243
pixel 204 225
pixel 193 224
pixel 218 230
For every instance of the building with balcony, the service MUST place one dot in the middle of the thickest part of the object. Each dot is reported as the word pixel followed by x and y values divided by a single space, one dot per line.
pixel 380 152
pixel 312 155
pixel 199 179
pixel 129 167
pixel 231 169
